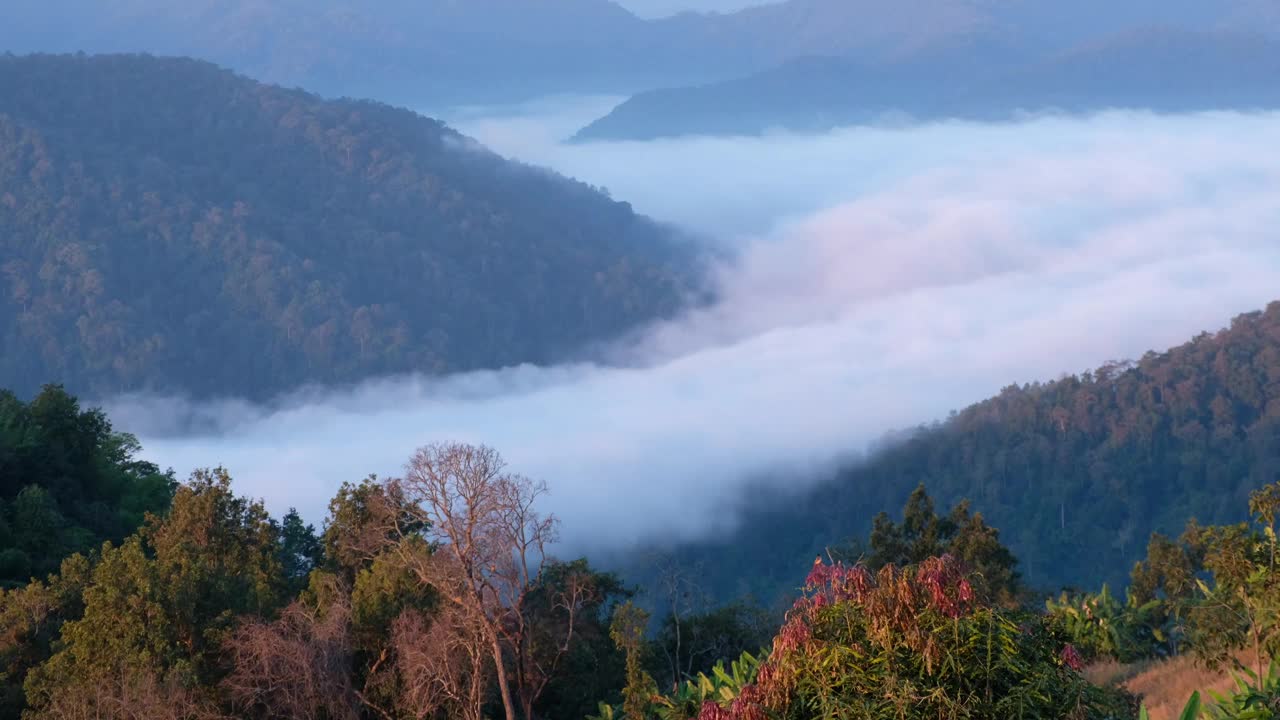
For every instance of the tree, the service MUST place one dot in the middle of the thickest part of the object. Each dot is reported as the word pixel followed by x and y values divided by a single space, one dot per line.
pixel 490 554
pixel 158 607
pixel 697 641
pixel 923 534
pixel 444 664
pixel 31 620
pixel 297 667
pixel 1242 608
pixel 300 549
pixel 569 661
pixel 627 631
pixel 68 481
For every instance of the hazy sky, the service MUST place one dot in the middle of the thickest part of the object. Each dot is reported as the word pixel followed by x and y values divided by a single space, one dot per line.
pixel 888 277
pixel 658 8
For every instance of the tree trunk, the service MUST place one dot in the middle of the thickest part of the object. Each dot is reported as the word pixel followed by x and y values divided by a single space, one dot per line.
pixel 503 687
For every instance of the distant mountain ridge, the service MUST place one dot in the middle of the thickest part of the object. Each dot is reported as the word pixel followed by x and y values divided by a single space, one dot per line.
pixel 433 53
pixel 1163 69
pixel 167 225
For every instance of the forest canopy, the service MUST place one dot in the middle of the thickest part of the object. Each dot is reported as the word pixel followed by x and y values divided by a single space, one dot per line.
pixel 167 225
pixel 1098 460
pixel 68 481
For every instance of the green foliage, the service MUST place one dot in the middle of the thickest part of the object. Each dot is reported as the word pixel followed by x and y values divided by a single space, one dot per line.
pixel 594 665
pixel 1170 568
pixel 159 605
pixel 1239 606
pixel 31 620
pixel 1256 697
pixel 627 632
pixel 924 534
pixel 68 481
pixel 155 208
pixel 382 591
pixel 300 550
pixel 722 687
pixel 1101 626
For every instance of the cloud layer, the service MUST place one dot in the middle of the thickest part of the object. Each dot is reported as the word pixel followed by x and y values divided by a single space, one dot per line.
pixel 881 278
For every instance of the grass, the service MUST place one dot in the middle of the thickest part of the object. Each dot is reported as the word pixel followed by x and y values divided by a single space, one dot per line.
pixel 1165 685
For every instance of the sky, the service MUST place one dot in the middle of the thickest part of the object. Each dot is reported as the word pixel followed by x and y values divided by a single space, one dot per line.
pixel 661 8
pixel 878 279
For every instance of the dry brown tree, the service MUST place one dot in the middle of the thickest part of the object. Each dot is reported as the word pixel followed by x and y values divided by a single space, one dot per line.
pixel 443 663
pixel 129 695
pixel 490 552
pixel 298 666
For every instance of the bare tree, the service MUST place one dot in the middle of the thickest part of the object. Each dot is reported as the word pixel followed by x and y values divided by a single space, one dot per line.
pixel 490 551
pixel 128 695
pixel 296 667
pixel 443 663
pixel 683 596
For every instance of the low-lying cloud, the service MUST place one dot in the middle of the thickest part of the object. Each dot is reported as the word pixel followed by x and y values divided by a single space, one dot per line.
pixel 884 278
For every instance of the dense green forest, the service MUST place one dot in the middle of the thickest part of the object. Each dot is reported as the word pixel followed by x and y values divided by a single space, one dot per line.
pixel 1098 460
pixel 435 595
pixel 168 225
pixel 67 483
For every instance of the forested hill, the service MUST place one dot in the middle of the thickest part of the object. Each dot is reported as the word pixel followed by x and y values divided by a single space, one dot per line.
pixel 1076 473
pixel 168 225
pixel 1159 69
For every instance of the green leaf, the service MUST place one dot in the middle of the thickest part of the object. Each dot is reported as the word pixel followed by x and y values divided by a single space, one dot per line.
pixel 1192 710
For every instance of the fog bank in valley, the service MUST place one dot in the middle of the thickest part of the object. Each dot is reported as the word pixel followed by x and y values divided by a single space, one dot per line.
pixel 877 279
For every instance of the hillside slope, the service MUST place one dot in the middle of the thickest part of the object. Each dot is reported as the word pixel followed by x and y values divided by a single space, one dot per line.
pixel 436 53
pixel 168 225
pixel 1157 69
pixel 1075 473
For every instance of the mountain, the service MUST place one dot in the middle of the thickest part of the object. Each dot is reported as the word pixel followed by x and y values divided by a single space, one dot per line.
pixel 443 52
pixel 417 52
pixel 767 34
pixel 169 225
pixel 437 53
pixel 1159 69
pixel 1076 473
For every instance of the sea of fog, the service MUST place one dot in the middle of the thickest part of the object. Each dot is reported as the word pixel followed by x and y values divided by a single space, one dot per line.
pixel 879 279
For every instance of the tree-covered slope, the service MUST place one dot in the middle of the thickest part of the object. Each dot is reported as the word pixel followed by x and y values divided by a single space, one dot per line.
pixel 1077 473
pixel 166 224
pixel 992 78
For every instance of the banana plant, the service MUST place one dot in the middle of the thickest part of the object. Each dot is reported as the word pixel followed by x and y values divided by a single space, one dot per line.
pixel 722 687
pixel 1256 697
pixel 1102 626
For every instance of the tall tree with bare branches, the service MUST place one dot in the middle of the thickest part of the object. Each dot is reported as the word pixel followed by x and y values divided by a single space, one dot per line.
pixel 490 554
